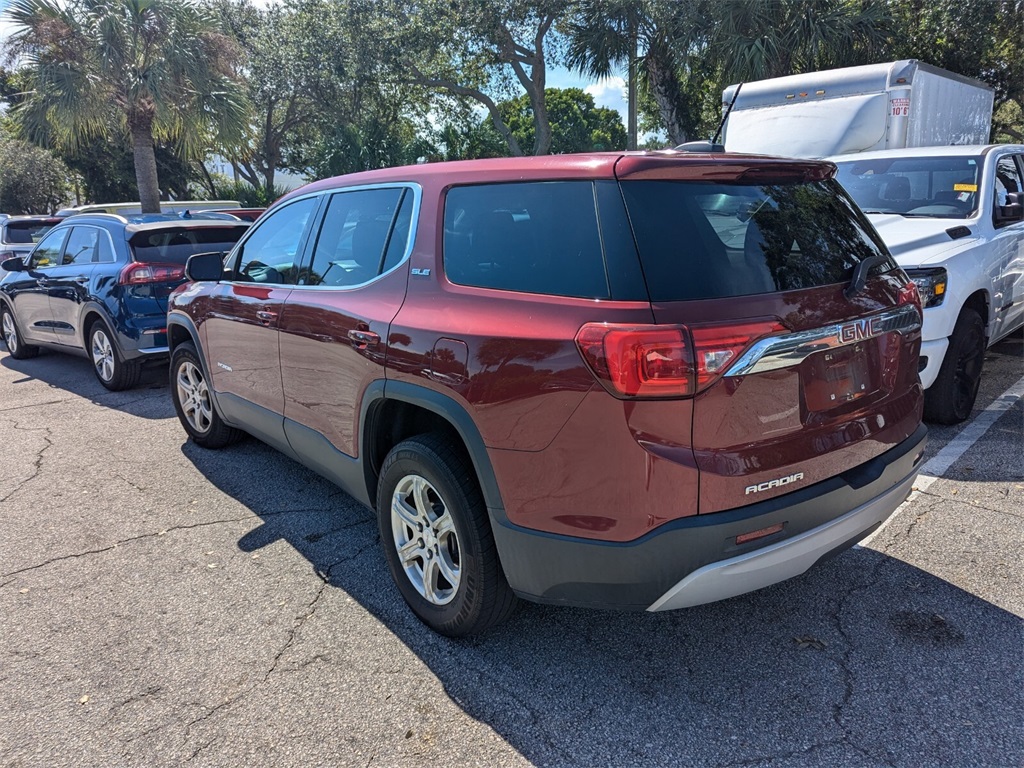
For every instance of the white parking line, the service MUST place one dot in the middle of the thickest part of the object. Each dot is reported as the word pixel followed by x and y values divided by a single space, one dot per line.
pixel 937 466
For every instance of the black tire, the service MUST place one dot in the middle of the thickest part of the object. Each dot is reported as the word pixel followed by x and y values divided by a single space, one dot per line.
pixel 111 369
pixel 16 347
pixel 192 402
pixel 481 598
pixel 950 399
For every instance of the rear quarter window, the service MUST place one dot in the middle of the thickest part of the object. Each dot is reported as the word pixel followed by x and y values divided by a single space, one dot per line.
pixel 700 241
pixel 531 237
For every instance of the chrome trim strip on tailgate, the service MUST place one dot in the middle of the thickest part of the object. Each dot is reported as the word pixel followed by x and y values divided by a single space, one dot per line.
pixel 783 351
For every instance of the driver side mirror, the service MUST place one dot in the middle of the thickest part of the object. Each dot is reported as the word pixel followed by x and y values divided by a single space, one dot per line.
pixel 1013 210
pixel 205 267
pixel 13 265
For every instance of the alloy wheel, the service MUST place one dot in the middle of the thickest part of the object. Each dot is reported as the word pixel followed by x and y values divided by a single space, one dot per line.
pixel 10 333
pixel 425 539
pixel 103 354
pixel 194 396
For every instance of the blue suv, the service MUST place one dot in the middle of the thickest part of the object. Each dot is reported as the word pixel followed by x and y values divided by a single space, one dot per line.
pixel 96 285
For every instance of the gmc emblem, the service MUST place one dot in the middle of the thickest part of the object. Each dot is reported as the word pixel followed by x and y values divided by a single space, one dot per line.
pixel 860 329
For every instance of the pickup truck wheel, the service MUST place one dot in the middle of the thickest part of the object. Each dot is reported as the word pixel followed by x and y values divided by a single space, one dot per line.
pixel 113 371
pixel 191 395
pixel 16 348
pixel 951 398
pixel 437 538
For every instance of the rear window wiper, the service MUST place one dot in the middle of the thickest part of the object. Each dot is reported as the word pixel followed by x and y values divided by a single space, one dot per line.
pixel 861 272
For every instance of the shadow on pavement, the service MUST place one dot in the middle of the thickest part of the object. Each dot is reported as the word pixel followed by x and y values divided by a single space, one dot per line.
pixel 866 660
pixel 73 374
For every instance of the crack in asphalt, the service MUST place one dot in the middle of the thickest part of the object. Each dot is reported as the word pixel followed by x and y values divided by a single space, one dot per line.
pixel 38 464
pixel 130 540
pixel 936 499
pixel 844 661
pixel 918 517
pixel 34 405
pixel 210 712
pixel 297 623
pixel 162 532
pixel 768 759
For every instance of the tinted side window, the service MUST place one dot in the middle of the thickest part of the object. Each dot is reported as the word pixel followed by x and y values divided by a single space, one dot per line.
pixel 270 254
pixel 83 246
pixel 1007 180
pixel 399 242
pixel 350 247
pixel 702 241
pixel 47 253
pixel 533 237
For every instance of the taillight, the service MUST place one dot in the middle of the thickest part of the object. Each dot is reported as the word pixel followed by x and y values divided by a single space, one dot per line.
pixel 716 347
pixel 141 274
pixel 639 361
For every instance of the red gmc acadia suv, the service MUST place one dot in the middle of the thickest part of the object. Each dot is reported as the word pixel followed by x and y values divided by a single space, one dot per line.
pixel 632 380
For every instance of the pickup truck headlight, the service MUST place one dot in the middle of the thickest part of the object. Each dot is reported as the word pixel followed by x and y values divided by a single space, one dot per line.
pixel 931 285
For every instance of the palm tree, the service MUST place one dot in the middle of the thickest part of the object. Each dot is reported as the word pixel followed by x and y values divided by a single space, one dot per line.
pixel 149 69
pixel 759 39
pixel 656 39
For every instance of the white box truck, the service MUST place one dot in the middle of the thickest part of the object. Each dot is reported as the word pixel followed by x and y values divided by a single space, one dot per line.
pixel 893 105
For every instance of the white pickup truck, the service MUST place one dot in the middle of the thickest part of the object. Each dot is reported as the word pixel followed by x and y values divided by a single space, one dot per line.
pixel 954 219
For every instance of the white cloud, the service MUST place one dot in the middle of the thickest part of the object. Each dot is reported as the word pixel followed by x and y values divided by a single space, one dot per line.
pixel 608 88
pixel 610 92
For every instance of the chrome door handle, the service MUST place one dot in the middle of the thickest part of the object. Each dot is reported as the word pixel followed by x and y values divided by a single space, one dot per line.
pixel 265 317
pixel 81 279
pixel 364 338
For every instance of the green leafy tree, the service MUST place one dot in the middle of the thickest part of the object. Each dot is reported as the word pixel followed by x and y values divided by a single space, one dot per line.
pixel 148 69
pixel 480 50
pixel 980 40
pixel 577 125
pixel 759 39
pixel 662 42
pixel 107 170
pixel 33 181
pixel 293 66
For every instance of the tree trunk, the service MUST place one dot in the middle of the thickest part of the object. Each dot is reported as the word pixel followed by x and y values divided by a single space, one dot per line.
pixel 145 166
pixel 666 91
pixel 209 180
pixel 269 187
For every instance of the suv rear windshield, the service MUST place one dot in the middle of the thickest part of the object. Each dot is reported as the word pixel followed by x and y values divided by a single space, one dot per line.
pixel 701 241
pixel 174 246
pixel 25 232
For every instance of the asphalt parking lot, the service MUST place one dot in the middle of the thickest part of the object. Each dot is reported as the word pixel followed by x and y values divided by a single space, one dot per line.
pixel 162 604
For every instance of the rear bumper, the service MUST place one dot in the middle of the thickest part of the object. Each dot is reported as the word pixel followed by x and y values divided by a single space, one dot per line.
pixel 696 560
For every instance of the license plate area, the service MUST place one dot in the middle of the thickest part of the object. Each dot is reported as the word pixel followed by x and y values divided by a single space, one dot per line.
pixel 838 378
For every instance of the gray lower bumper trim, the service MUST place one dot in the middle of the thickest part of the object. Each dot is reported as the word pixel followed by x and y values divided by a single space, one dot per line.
pixel 764 567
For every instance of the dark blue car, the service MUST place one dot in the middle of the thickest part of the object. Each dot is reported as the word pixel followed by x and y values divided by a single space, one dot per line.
pixel 97 285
